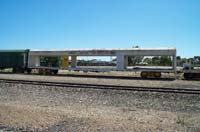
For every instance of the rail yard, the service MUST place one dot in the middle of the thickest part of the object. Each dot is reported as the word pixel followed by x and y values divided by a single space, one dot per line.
pixel 46 90
pixel 99 66
pixel 64 103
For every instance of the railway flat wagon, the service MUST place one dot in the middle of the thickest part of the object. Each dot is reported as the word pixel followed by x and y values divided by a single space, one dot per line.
pixel 15 59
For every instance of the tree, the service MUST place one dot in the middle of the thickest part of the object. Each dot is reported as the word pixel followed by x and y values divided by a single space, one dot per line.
pixel 148 61
pixel 156 61
pixel 178 59
pixel 133 60
pixel 165 61
pixel 50 61
pixel 183 60
pixel 162 61
pixel 197 59
pixel 137 46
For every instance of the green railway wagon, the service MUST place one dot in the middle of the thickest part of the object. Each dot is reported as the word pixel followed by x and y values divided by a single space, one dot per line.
pixel 15 59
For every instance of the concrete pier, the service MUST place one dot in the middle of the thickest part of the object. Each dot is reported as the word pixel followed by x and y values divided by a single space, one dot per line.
pixel 73 61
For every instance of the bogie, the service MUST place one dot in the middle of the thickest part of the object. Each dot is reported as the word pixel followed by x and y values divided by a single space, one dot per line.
pixel 145 74
pixel 189 76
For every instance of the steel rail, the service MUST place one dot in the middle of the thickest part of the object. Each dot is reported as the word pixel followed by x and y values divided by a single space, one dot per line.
pixel 108 87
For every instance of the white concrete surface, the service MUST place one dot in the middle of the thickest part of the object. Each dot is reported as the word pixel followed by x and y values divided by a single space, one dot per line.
pixel 122 55
pixel 73 61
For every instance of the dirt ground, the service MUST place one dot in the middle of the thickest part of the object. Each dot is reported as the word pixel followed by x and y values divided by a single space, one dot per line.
pixel 42 108
pixel 169 82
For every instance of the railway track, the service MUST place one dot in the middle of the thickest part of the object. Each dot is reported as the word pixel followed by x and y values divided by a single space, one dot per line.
pixel 104 87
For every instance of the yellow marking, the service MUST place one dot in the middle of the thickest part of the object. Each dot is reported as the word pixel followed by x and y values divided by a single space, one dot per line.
pixel 64 61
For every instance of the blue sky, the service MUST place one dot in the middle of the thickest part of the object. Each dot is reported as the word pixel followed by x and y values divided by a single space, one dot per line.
pixel 48 24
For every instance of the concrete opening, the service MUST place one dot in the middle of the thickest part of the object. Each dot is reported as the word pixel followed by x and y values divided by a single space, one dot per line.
pixel 96 63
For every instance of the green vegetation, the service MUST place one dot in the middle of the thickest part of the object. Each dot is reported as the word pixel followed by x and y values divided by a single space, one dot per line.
pixel 180 61
pixel 158 61
pixel 50 61
pixel 134 60
pixel 195 61
pixel 83 62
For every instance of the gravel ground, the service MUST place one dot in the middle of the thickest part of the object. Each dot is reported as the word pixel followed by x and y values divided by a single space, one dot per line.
pixel 42 108
pixel 122 82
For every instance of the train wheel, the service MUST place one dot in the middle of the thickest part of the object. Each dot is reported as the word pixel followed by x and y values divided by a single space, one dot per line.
pixel 48 72
pixel 188 76
pixel 151 74
pixel 157 75
pixel 29 71
pixel 55 72
pixel 41 71
pixel 22 70
pixel 197 75
pixel 14 70
pixel 18 70
pixel 144 74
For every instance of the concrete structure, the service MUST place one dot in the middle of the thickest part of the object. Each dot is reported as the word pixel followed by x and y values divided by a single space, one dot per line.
pixel 73 61
pixel 121 54
pixel 34 60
